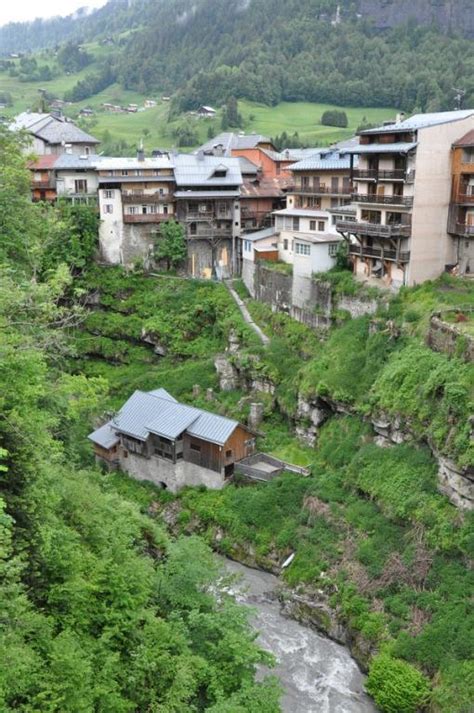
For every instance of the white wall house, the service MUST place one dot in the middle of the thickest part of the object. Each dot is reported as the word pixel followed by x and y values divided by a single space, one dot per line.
pixel 293 222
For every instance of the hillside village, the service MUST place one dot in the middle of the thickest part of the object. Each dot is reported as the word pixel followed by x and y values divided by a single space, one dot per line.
pixel 397 198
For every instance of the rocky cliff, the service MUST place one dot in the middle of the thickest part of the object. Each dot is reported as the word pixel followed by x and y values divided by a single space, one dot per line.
pixel 449 15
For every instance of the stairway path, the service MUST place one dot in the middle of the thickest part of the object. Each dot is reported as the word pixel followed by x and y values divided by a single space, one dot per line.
pixel 246 314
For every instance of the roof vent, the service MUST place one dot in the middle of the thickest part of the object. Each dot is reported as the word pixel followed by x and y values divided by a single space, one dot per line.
pixel 200 155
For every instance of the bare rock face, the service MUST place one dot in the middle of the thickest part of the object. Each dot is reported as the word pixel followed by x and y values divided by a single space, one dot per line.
pixel 256 415
pixel 456 484
pixel 153 340
pixel 311 413
pixel 227 373
pixel 448 15
pixel 391 429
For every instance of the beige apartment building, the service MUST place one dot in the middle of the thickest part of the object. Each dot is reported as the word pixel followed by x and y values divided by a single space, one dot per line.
pixel 402 192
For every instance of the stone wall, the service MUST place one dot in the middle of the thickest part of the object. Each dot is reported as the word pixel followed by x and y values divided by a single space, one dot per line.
pixel 449 339
pixel 173 476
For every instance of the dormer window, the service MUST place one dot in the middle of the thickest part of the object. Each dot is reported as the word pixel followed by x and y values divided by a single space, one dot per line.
pixel 220 172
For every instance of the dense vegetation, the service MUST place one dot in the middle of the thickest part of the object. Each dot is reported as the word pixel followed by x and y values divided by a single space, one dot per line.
pixel 266 51
pixel 101 610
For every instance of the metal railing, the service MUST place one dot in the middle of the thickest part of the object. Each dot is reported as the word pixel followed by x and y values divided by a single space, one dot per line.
pixel 406 201
pixel 322 190
pixel 382 253
pixel 396 174
pixel 383 231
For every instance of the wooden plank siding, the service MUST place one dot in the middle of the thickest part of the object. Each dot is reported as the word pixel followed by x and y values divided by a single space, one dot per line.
pixel 217 457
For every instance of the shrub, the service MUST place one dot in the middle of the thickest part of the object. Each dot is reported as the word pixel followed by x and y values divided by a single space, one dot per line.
pixel 335 117
pixel 397 686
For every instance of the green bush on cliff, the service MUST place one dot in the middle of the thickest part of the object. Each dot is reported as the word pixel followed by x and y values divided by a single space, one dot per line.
pixel 396 686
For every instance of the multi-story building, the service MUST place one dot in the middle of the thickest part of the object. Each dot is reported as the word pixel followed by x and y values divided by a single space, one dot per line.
pixel 321 181
pixel 77 178
pixel 54 134
pixel 402 196
pixel 136 195
pixel 43 179
pixel 461 215
pixel 295 225
pixel 208 205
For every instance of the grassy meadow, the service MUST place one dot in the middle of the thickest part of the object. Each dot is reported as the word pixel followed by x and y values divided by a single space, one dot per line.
pixel 153 125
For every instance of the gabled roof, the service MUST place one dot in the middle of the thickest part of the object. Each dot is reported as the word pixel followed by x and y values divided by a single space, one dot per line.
pixel 324 159
pixel 104 436
pixel 46 162
pixel 421 121
pixel 263 188
pixel 74 161
pixel 198 169
pixel 302 212
pixel 258 235
pixel 52 129
pixel 229 140
pixel 159 413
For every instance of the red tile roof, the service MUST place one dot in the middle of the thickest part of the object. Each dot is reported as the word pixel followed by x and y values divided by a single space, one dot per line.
pixel 263 188
pixel 43 162
pixel 466 140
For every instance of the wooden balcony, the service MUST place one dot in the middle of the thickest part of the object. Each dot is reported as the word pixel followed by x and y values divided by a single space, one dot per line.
pixel 373 174
pixel 146 198
pixel 322 190
pixel 382 253
pixel 374 229
pixel 405 201
pixel 462 229
pixel 463 198
pixel 146 218
pixel 45 184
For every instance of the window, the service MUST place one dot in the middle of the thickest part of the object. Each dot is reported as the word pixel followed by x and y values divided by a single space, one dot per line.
pixel 303 249
pixel 228 454
pixel 87 151
pixel 108 194
pixel 80 186
pixel 312 225
pixel 108 208
pixel 296 224
pixel 332 249
pixel 321 226
pixel 195 447
pixel 165 210
pixel 132 210
pixel 124 172
pixel 247 246
pixel 285 243
pixel 468 155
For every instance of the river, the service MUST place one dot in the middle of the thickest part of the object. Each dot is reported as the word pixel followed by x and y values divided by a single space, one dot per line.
pixel 318 675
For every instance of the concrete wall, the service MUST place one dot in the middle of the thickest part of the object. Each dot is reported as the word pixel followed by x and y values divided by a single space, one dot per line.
pixel 174 476
pixel 447 338
pixel 431 246
pixel 66 181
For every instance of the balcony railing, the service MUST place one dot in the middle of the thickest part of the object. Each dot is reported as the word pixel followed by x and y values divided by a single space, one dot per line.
pixel 322 190
pixel 382 253
pixel 146 198
pixel 44 184
pixel 210 232
pixel 406 201
pixel 462 229
pixel 396 174
pixel 205 215
pixel 146 218
pixel 376 229
pixel 464 198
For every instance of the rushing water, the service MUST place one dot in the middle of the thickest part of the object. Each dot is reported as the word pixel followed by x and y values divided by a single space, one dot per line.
pixel 318 675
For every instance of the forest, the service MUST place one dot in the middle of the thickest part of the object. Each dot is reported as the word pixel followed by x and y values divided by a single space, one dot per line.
pixel 268 51
pixel 101 609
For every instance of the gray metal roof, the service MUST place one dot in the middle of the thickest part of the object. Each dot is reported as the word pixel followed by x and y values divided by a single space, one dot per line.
pixel 158 412
pixel 133 163
pixel 135 179
pixel 104 436
pixel 206 194
pixel 229 140
pixel 213 428
pixel 259 234
pixel 302 212
pixel 400 147
pixel 421 121
pixel 163 394
pixel 247 167
pixel 172 419
pixel 52 129
pixel 324 160
pixel 73 161
pixel 199 169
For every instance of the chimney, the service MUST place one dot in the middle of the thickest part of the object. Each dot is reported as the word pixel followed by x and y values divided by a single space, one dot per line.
pixel 141 152
pixel 400 116
pixel 200 155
